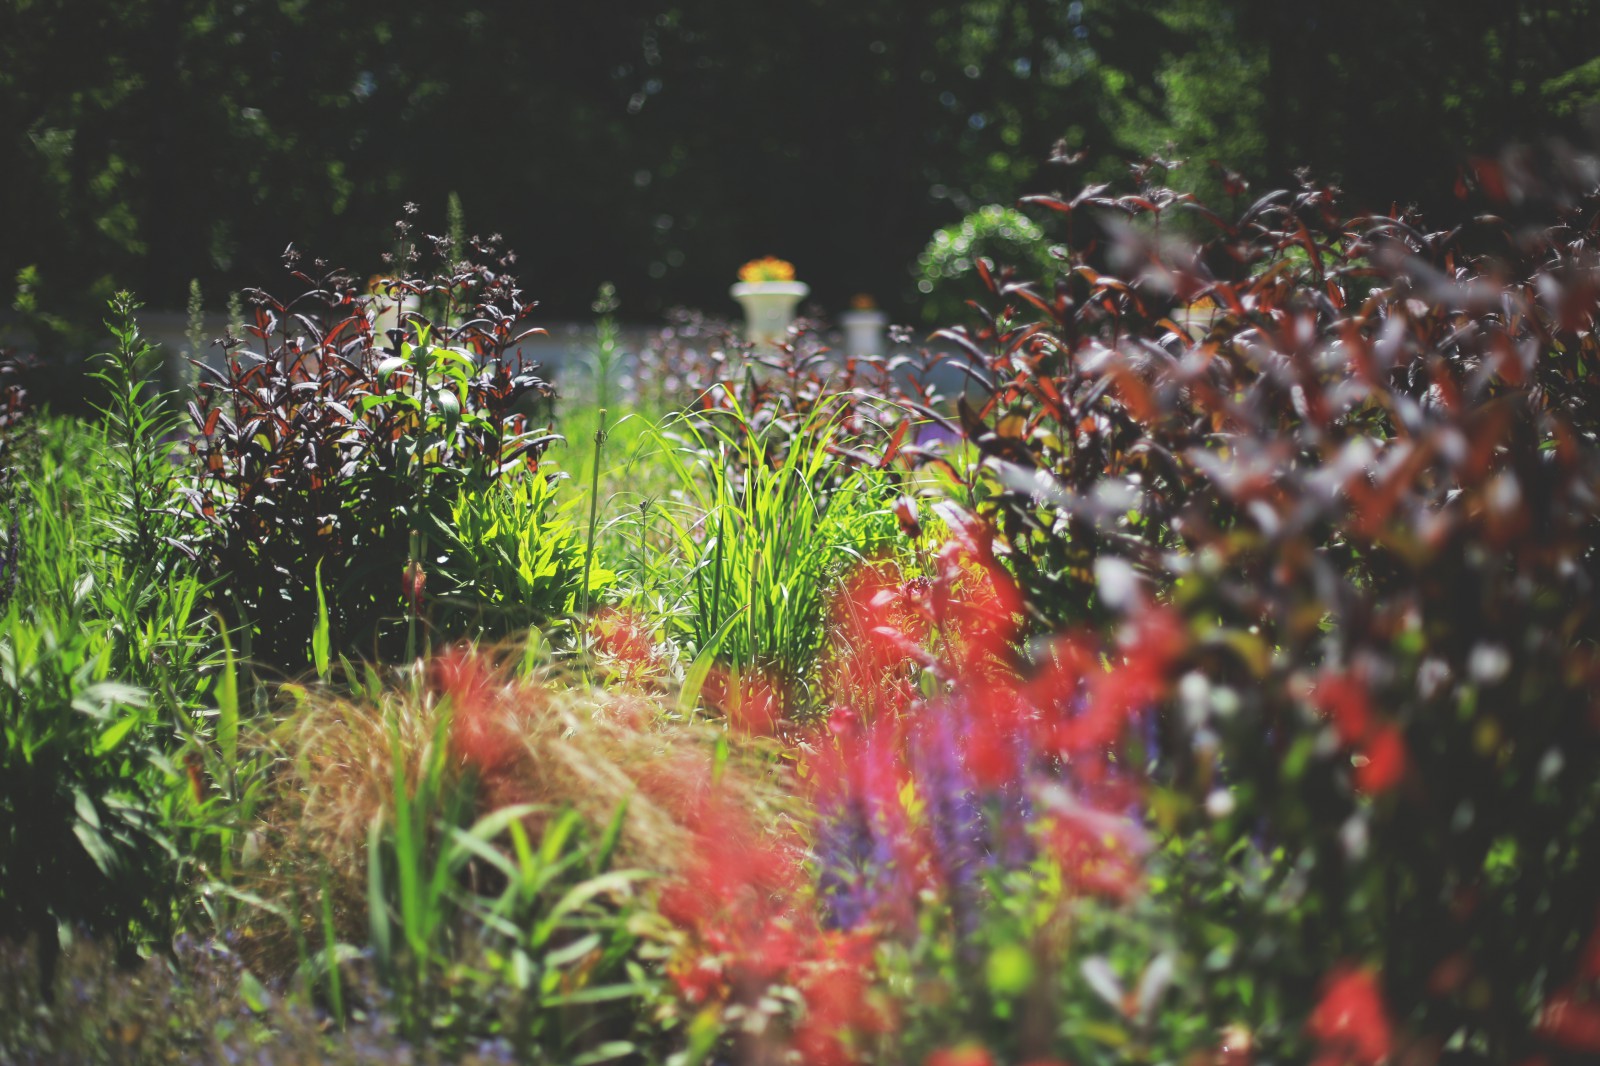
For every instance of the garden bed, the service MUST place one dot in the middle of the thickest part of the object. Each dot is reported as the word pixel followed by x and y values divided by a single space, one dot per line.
pixel 1190 659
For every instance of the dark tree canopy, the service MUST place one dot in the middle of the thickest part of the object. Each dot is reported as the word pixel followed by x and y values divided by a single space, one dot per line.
pixel 660 144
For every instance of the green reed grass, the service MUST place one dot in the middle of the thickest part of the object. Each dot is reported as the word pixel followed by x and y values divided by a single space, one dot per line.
pixel 765 530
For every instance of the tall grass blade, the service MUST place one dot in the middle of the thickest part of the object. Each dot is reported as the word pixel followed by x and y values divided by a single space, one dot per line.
pixel 320 641
pixel 694 679
pixel 594 506
pixel 377 904
pixel 228 704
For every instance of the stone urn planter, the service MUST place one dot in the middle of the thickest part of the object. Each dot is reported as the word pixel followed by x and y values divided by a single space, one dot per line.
pixel 769 294
pixel 863 331
pixel 769 308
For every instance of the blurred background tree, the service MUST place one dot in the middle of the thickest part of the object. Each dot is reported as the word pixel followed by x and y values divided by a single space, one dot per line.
pixel 661 143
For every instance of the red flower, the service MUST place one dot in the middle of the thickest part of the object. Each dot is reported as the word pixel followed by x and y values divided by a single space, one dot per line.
pixel 1098 852
pixel 1385 764
pixel 481 736
pixel 1381 745
pixel 1571 1022
pixel 1350 1021
pixel 699 982
pixel 752 703
pixel 1343 699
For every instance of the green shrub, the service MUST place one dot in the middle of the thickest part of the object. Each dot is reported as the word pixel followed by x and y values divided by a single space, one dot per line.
pixel 511 559
pixel 80 843
pixel 104 666
pixel 947 269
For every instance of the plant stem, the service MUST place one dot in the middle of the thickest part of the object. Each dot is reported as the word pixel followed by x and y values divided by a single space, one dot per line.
pixel 594 506
pixel 413 559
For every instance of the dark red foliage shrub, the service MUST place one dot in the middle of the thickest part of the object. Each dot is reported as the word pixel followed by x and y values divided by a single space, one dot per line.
pixel 12 394
pixel 1358 461
pixel 12 397
pixel 875 402
pixel 329 446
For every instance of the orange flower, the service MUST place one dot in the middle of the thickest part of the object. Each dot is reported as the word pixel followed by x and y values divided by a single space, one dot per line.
pixel 768 268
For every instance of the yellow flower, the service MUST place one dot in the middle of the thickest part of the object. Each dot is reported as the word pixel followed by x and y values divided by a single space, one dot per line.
pixel 770 268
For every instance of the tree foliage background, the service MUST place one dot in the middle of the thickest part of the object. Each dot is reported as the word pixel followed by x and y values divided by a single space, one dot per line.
pixel 659 144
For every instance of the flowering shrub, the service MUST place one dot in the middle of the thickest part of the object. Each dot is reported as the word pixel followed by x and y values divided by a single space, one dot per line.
pixel 696 364
pixel 954 780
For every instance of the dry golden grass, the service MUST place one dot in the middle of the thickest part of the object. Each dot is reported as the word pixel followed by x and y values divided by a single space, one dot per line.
pixel 542 738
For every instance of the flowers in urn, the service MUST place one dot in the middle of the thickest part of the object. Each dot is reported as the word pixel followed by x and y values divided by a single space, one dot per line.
pixel 767 268
pixel 769 294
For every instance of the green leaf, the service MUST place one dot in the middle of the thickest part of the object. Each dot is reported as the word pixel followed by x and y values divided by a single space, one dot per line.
pixel 1010 970
pixel 84 807
pixel 573 951
pixel 254 993
pixel 228 703
pixel 116 734
pixel 448 402
pixel 377 908
pixel 86 827
pixel 600 994
pixel 455 355
pixel 611 1049
pixel 611 837
pixel 694 679
pixel 97 700
pixel 319 636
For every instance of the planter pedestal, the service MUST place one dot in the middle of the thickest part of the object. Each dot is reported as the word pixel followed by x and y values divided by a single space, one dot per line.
pixel 768 308
pixel 863 332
